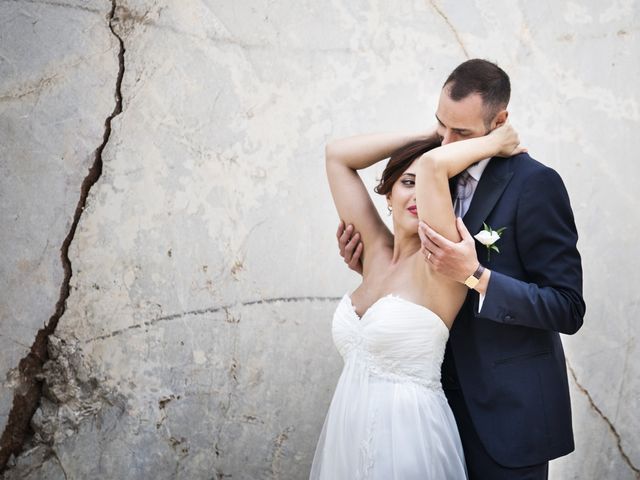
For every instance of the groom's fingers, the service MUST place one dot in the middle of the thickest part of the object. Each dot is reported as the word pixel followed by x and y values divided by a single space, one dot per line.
pixel 437 239
pixel 423 238
pixel 340 230
pixel 429 247
pixel 354 264
pixel 429 233
pixel 350 248
pixel 344 235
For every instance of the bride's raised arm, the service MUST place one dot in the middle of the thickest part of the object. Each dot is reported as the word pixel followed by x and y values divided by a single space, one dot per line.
pixel 437 166
pixel 344 158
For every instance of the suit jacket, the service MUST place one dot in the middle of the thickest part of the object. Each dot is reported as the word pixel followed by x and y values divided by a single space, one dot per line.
pixel 508 360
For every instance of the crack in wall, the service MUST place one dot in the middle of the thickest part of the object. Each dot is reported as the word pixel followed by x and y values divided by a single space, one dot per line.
pixel 613 430
pixel 64 472
pixel 28 392
pixel 201 311
pixel 450 25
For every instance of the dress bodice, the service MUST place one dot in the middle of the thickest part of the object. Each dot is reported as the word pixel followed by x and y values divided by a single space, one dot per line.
pixel 395 339
pixel 389 418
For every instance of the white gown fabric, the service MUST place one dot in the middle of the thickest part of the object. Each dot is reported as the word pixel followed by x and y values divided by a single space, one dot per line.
pixel 389 418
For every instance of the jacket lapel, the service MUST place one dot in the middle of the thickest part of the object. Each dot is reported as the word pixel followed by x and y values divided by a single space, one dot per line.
pixel 493 181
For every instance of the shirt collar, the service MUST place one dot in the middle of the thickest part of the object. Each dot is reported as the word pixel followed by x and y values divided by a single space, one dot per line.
pixel 477 168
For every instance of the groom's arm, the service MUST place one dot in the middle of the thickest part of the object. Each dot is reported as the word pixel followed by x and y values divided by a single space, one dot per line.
pixel 546 237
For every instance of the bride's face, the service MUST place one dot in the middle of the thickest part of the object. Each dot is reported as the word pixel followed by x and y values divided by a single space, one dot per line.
pixel 402 201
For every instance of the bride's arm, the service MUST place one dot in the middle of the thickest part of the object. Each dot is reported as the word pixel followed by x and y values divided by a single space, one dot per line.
pixel 435 167
pixel 343 158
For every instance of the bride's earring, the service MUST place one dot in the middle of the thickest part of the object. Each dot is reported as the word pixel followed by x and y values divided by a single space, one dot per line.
pixel 389 208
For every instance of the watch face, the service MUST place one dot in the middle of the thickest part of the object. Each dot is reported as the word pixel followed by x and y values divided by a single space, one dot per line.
pixel 471 282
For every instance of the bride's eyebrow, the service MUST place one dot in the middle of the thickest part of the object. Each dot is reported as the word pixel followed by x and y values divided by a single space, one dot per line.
pixel 413 175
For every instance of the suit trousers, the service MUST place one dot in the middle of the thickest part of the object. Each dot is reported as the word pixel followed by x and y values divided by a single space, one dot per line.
pixel 480 465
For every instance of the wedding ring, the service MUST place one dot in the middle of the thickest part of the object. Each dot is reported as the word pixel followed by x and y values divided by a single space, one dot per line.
pixel 429 257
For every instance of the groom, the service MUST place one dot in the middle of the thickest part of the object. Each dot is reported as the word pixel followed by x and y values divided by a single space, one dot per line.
pixel 504 370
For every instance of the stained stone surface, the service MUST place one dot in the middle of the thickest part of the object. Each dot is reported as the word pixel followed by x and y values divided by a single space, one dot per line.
pixel 196 339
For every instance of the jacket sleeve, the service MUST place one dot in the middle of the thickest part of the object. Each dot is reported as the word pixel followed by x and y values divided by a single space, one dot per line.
pixel 546 237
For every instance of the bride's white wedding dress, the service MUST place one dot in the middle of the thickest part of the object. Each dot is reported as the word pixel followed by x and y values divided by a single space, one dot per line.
pixel 389 418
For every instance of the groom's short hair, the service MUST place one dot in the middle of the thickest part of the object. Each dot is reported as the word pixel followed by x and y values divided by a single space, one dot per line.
pixel 484 78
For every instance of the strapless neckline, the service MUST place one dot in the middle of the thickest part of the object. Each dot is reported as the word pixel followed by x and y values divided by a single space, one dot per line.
pixel 393 296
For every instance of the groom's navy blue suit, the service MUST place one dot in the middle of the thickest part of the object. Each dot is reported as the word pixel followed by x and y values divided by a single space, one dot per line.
pixel 504 369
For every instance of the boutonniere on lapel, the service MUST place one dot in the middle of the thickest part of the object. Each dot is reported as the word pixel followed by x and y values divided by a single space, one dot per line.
pixel 488 237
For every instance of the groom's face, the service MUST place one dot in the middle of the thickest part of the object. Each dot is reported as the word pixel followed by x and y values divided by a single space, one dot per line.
pixel 462 119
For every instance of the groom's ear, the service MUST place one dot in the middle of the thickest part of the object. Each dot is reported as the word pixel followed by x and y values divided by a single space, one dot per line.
pixel 500 119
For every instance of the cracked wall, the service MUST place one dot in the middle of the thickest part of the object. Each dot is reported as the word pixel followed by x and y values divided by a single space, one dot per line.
pixel 44 175
pixel 195 341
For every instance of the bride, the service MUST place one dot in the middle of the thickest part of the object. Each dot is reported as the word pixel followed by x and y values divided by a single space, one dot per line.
pixel 389 418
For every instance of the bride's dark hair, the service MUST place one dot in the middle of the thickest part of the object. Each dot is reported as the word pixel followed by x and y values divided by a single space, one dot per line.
pixel 401 159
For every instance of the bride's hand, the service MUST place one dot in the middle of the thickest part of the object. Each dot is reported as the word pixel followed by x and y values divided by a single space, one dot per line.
pixel 507 141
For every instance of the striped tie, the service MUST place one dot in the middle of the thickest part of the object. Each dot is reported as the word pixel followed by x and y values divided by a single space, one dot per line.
pixel 464 189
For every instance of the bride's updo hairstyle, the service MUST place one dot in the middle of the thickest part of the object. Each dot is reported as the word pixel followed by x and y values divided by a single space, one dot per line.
pixel 400 160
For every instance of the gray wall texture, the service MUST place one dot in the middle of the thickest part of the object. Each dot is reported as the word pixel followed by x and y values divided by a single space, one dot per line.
pixel 168 261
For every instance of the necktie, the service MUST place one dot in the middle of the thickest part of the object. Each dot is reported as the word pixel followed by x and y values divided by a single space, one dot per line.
pixel 464 189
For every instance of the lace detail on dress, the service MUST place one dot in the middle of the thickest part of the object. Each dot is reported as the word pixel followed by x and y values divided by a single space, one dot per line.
pixel 367 459
pixel 387 371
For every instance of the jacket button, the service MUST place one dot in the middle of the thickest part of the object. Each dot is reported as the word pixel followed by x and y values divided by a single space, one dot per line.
pixel 508 318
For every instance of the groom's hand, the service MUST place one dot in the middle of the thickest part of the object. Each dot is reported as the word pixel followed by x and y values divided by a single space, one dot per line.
pixel 454 260
pixel 350 246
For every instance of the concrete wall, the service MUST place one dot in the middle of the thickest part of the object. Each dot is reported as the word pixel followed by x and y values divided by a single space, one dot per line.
pixel 192 337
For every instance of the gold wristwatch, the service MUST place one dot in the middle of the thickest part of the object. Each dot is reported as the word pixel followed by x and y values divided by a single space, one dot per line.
pixel 473 279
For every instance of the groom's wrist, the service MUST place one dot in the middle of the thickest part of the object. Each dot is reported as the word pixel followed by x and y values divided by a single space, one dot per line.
pixel 472 280
pixel 483 284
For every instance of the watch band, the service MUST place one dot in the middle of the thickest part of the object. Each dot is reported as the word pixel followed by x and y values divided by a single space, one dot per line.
pixel 473 279
pixel 478 272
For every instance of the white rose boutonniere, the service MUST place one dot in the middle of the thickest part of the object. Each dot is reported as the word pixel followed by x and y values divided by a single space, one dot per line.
pixel 488 237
